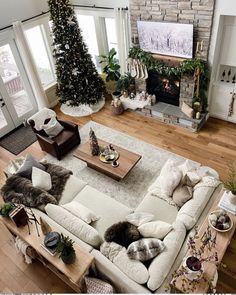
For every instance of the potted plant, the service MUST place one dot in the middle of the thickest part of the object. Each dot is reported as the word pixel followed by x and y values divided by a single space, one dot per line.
pixel 111 68
pixel 230 184
pixel 192 269
pixel 124 83
pixel 66 250
pixel 6 208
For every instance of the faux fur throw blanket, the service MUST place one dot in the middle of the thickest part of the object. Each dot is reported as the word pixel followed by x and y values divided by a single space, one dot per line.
pixel 20 190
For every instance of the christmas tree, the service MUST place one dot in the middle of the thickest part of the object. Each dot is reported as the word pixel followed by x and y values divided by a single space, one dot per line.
pixel 78 81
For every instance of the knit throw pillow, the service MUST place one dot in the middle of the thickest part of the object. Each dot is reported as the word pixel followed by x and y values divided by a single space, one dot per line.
pixel 145 249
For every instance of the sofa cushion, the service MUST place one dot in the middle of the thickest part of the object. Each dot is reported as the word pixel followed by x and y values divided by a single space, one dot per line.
pixel 109 209
pixel 57 227
pixel 158 207
pixel 139 218
pixel 155 229
pixel 161 265
pixel 122 283
pixel 41 179
pixel 81 211
pixel 72 187
pixel 132 268
pixel 190 212
pixel 26 168
pixel 145 249
pixel 74 225
pixel 183 192
pixel 168 180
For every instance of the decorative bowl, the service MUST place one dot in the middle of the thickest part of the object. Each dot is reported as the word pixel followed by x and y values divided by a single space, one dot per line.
pixel 220 221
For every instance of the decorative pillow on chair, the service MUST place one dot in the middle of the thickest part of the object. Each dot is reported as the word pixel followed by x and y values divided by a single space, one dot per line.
pixel 155 229
pixel 139 218
pixel 81 211
pixel 41 179
pixel 53 127
pixel 122 233
pixel 145 249
pixel 26 168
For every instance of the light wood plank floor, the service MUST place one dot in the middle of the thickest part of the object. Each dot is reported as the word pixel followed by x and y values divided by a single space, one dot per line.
pixel 214 146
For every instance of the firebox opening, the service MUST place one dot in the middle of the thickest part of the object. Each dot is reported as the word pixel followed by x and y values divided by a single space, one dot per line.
pixel 166 89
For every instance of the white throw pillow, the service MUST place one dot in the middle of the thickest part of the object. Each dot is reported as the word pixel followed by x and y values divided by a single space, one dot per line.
pixel 73 224
pixel 41 179
pixel 155 229
pixel 81 211
pixel 139 218
pixel 189 165
pixel 53 127
pixel 168 179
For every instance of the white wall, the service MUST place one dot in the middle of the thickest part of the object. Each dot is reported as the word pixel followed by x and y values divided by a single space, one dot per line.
pixel 12 10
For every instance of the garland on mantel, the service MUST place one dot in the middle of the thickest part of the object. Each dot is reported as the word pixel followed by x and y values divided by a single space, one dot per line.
pixel 187 67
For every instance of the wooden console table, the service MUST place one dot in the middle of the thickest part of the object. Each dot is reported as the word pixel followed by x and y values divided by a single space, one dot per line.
pixel 72 274
pixel 222 242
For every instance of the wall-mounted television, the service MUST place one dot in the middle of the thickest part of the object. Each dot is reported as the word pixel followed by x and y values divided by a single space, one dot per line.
pixel 173 39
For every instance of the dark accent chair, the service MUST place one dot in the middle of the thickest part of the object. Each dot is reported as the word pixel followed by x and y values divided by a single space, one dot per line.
pixel 61 144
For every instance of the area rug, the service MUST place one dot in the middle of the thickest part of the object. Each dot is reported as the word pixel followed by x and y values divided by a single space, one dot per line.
pixel 133 188
pixel 18 140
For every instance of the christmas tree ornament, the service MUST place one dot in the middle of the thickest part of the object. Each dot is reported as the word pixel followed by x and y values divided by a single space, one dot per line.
pixel 93 143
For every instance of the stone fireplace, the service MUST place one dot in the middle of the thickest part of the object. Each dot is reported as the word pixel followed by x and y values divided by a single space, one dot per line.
pixel 173 91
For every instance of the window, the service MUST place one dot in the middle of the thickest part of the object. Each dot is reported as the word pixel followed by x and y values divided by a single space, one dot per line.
pixel 87 26
pixel 111 34
pixel 38 47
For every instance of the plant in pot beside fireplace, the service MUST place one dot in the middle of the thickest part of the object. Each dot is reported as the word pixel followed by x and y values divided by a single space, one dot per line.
pixel 126 85
pixel 200 250
pixel 111 70
pixel 66 250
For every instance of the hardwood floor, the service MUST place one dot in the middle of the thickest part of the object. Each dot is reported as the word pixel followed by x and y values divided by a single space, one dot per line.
pixel 214 146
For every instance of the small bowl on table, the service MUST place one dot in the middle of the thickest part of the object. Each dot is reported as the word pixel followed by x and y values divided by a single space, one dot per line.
pixel 220 221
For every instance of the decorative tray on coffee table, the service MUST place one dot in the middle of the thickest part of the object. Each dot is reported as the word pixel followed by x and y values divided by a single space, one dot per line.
pixel 110 157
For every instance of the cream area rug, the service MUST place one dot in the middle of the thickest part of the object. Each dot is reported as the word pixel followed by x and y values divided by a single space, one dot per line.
pixel 133 188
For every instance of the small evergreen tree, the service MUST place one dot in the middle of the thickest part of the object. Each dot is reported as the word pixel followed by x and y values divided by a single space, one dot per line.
pixel 78 81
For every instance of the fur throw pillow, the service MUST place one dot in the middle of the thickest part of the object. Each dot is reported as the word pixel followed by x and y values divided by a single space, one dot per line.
pixel 145 249
pixel 122 233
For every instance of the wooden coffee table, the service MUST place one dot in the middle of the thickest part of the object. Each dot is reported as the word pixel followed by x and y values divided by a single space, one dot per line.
pixel 127 160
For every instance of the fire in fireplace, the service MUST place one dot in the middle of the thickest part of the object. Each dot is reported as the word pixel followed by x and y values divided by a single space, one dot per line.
pixel 166 89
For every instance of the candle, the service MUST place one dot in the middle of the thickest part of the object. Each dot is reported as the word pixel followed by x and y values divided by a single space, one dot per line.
pixel 198 115
pixel 201 45
pixel 197 47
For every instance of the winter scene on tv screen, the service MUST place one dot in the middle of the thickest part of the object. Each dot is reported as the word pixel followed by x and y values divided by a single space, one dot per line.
pixel 172 39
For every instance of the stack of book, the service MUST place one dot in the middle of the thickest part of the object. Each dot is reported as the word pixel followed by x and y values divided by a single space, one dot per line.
pixel 226 205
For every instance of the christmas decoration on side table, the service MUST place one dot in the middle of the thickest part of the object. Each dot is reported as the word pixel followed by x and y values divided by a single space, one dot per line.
pixel 192 272
pixel 78 81
pixel 93 143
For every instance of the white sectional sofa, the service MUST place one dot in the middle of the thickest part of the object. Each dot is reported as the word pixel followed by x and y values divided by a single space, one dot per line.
pixel 112 212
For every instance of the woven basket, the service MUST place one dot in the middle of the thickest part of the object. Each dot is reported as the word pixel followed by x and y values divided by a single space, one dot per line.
pixel 117 110
pixel 97 286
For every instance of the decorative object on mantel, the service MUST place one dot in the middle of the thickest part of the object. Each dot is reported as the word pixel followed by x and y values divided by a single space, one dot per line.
pixel 94 147
pixel 199 250
pixel 137 69
pixel 186 67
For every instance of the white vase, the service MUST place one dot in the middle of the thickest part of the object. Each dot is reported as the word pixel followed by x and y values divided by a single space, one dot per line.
pixel 232 198
pixel 192 275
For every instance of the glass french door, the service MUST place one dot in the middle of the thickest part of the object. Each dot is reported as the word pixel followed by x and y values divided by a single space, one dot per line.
pixel 17 102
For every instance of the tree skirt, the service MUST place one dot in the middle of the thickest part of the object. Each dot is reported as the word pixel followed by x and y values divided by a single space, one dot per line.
pixel 82 110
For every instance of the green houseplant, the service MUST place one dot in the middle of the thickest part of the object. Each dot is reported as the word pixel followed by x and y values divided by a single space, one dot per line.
pixel 111 69
pixel 66 250
pixel 230 184
pixel 124 83
pixel 6 208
